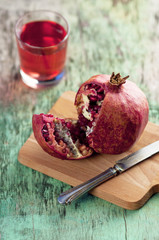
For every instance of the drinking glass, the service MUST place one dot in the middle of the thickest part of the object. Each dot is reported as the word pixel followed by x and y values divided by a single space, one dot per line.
pixel 42 38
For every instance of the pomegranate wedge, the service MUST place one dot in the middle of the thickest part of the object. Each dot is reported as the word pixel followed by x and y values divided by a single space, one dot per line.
pixel 61 138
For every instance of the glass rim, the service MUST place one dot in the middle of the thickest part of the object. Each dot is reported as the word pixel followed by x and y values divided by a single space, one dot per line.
pixel 36 47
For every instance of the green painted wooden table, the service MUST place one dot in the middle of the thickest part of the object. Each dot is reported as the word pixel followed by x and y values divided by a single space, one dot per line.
pixel 106 36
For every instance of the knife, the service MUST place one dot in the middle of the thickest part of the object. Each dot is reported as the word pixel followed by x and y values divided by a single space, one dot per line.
pixel 120 166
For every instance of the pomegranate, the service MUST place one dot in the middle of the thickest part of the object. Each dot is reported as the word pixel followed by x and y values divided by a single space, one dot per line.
pixel 113 112
pixel 61 138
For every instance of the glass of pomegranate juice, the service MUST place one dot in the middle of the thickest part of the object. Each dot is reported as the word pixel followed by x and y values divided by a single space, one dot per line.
pixel 42 43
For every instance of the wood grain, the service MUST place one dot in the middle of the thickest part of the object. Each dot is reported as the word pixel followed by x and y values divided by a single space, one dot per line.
pixel 129 190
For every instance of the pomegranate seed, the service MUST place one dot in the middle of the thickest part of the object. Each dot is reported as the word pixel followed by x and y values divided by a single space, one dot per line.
pixel 45 135
pixel 49 115
pixel 64 150
pixel 100 97
pixel 96 115
pixel 82 148
pixel 93 98
pixel 97 87
pixel 100 90
pixel 84 153
pixel 69 125
pixel 63 122
pixel 61 143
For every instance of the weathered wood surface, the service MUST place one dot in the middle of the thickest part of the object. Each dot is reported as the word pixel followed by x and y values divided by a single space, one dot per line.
pixel 105 36
pixel 129 190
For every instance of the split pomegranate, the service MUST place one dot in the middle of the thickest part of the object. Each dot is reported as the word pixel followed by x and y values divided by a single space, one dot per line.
pixel 61 138
pixel 112 114
pixel 113 111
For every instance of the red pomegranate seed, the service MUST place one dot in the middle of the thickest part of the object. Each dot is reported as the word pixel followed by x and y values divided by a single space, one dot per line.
pixel 93 98
pixel 100 97
pixel 61 143
pixel 100 90
pixel 69 125
pixel 97 87
pixel 64 150
pixel 82 147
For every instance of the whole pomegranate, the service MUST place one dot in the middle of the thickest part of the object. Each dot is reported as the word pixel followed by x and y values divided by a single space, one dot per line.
pixel 113 111
pixel 112 114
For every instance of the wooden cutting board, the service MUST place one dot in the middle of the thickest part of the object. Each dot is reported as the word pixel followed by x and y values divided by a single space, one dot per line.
pixel 129 190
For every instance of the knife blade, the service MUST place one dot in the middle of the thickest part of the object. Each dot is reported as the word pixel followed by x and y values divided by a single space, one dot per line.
pixel 119 167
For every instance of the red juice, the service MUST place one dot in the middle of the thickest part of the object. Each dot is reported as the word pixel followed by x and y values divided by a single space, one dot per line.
pixel 42 49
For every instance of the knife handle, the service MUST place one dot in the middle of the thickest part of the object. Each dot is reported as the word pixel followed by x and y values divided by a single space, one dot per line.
pixel 76 192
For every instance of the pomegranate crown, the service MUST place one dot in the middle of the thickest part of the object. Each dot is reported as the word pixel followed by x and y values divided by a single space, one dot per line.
pixel 116 79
